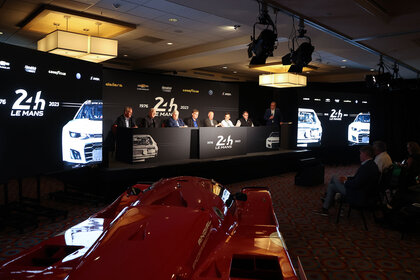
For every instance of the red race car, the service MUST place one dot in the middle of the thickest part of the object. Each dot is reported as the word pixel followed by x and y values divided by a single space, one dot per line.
pixel 177 228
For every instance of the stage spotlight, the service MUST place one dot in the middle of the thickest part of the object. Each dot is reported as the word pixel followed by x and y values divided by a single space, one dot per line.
pixel 263 47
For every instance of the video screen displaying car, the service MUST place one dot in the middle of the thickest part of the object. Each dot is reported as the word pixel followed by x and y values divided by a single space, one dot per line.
pixel 327 119
pixel 42 95
pixel 359 130
pixel 82 136
pixel 309 130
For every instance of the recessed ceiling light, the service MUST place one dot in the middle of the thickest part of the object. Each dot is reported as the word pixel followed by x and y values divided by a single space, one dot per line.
pixel 224 67
pixel 170 43
pixel 308 72
pixel 234 72
pixel 125 55
pixel 343 66
pixel 1 33
pixel 371 69
pixel 344 60
pixel 173 19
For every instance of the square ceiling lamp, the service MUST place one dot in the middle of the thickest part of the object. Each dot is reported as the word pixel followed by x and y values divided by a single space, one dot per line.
pixel 282 80
pixel 76 34
pixel 85 47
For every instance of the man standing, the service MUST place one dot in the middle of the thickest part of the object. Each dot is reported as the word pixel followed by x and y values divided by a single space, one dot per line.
pixel 356 189
pixel 272 115
pixel 125 120
pixel 193 121
pixel 210 121
pixel 175 121
pixel 244 120
pixel 151 120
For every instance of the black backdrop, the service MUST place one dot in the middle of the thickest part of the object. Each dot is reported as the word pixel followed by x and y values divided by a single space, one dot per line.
pixel 143 91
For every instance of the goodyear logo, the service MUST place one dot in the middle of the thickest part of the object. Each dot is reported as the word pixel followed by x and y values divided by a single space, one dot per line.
pixel 190 90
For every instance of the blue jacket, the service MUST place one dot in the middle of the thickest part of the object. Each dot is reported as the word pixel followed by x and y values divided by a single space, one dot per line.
pixel 173 123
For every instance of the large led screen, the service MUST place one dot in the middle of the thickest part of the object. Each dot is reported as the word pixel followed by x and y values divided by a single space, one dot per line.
pixel 51 112
pixel 327 119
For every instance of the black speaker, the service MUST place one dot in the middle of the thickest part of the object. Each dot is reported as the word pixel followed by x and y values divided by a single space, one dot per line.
pixel 310 173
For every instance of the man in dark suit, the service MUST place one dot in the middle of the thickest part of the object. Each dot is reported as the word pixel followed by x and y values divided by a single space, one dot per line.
pixel 193 121
pixel 125 120
pixel 356 189
pixel 210 121
pixel 175 121
pixel 272 115
pixel 151 120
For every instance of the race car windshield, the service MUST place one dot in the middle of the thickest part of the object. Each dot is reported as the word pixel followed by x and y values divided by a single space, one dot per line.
pixel 363 118
pixel 91 112
pixel 306 118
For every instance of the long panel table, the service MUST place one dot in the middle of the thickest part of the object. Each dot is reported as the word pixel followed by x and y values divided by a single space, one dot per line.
pixel 168 144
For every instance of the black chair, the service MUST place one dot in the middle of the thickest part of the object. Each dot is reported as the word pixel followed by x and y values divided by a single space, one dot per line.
pixel 371 204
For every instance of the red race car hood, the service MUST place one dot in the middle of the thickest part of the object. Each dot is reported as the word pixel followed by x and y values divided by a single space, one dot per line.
pixel 164 241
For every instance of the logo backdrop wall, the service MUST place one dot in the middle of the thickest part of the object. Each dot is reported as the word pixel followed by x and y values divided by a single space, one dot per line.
pixel 40 94
pixel 166 94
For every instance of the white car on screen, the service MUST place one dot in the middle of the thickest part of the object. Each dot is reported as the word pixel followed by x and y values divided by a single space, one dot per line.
pixel 272 140
pixel 144 146
pixel 82 136
pixel 359 129
pixel 309 127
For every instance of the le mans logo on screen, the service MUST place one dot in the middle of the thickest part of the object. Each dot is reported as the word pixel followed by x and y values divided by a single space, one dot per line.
pixel 28 106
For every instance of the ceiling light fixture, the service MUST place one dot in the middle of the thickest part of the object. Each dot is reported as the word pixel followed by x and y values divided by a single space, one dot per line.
pixel 173 19
pixel 76 34
pixel 282 80
pixel 264 45
pixel 303 55
pixel 170 43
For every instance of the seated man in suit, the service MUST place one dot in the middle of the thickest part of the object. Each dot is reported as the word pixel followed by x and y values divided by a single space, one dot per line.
pixel 175 121
pixel 151 120
pixel 193 121
pixel 210 121
pixel 355 189
pixel 125 120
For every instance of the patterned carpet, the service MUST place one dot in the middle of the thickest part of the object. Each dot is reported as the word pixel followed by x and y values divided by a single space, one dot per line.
pixel 337 251
pixel 327 250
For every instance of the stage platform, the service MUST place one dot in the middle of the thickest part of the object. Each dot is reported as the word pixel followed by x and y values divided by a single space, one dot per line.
pixel 224 170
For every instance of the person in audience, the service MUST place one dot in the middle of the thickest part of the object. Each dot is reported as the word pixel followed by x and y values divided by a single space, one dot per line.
pixel 227 122
pixel 151 120
pixel 244 120
pixel 125 120
pixel 193 121
pixel 357 188
pixel 272 115
pixel 175 121
pixel 210 121
pixel 382 158
pixel 411 165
